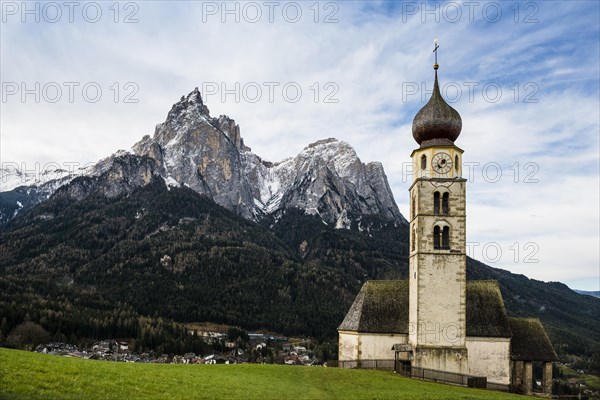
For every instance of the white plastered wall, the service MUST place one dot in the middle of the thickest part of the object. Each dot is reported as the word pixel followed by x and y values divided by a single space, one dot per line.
pixel 368 346
pixel 489 357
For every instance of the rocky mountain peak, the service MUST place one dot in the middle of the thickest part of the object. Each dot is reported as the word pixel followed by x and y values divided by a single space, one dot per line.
pixel 327 179
pixel 322 142
pixel 339 154
pixel 189 106
pixel 190 148
pixel 188 115
pixel 208 155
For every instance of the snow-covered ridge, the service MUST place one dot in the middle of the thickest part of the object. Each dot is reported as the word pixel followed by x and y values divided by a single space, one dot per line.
pixel 326 178
pixel 13 175
pixel 277 178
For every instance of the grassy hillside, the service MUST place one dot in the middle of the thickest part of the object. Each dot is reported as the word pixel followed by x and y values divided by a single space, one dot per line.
pixel 25 375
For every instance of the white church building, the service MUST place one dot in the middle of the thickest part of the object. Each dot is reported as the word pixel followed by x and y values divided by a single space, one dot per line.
pixel 436 325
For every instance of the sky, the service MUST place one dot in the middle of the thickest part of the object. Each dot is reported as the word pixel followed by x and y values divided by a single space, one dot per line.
pixel 81 80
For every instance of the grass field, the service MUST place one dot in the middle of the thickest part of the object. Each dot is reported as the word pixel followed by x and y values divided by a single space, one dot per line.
pixel 26 375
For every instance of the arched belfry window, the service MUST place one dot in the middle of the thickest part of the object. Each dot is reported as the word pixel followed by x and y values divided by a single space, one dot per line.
pixel 412 207
pixel 414 239
pixel 436 237
pixel 441 237
pixel 446 237
pixel 445 203
pixel 445 198
pixel 456 163
pixel 423 161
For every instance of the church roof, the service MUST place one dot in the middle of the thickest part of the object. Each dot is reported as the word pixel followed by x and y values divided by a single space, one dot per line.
pixel 530 341
pixel 382 307
pixel 486 315
pixel 379 307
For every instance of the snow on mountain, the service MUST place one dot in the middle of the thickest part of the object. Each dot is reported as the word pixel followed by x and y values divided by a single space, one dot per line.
pixel 22 187
pixel 327 178
pixel 50 176
pixel 12 176
pixel 209 156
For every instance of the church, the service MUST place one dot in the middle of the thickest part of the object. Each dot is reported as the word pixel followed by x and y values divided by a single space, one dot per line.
pixel 436 325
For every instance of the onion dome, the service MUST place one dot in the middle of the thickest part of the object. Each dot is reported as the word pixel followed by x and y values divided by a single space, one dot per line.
pixel 436 123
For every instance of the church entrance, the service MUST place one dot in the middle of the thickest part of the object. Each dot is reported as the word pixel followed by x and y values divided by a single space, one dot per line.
pixel 403 359
pixel 403 367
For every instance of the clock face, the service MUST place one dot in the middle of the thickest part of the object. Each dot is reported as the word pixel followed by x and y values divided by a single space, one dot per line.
pixel 441 163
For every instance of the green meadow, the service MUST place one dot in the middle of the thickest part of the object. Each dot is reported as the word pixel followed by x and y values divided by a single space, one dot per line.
pixel 26 375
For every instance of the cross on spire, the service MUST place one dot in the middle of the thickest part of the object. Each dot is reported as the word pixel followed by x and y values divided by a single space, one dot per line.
pixel 435 47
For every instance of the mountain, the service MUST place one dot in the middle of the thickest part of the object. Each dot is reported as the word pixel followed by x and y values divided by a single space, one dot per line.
pixel 327 179
pixel 21 190
pixel 192 226
pixel 170 252
pixel 588 293
pixel 90 267
pixel 209 156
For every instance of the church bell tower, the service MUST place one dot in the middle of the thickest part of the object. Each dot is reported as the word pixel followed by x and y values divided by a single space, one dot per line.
pixel 437 281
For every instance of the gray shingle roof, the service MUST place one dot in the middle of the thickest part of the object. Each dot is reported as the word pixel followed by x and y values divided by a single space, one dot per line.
pixel 530 341
pixel 382 307
pixel 379 307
